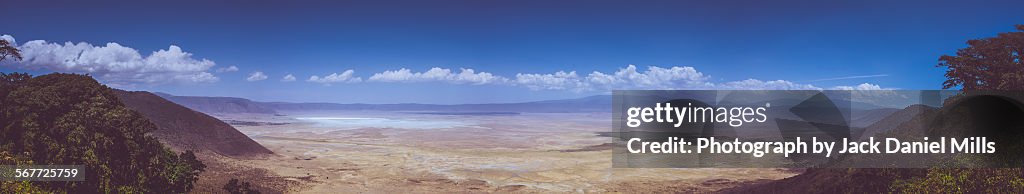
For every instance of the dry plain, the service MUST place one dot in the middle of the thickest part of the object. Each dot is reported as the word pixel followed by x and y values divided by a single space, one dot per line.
pixel 408 152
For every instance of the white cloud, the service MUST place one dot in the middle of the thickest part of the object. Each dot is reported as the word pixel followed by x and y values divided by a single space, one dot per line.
pixel 629 77
pixel 754 84
pixel 656 78
pixel 227 69
pixel 344 77
pixel 557 81
pixel 288 78
pixel 438 74
pixel 199 77
pixel 115 64
pixel 625 78
pixel 863 86
pixel 256 76
pixel 877 95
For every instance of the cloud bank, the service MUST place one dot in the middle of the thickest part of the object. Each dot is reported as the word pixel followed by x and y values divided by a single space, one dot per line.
pixel 625 78
pixel 113 63
pixel 629 77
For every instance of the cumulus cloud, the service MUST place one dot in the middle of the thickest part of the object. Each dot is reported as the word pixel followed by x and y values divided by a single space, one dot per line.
pixel 227 69
pixel 657 78
pixel 256 76
pixel 288 78
pixel 560 80
pixel 654 77
pixel 468 76
pixel 113 63
pixel 625 78
pixel 661 77
pixel 344 77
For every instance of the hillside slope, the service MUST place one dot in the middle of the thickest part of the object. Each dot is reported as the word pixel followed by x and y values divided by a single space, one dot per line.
pixel 184 129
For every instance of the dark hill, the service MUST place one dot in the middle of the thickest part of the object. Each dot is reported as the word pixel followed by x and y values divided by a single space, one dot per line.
pixel 182 128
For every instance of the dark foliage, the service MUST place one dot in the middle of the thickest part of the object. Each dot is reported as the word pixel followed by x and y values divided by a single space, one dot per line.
pixel 234 187
pixel 8 51
pixel 995 63
pixel 72 119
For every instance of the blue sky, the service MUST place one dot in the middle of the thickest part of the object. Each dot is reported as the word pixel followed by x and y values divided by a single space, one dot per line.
pixel 518 45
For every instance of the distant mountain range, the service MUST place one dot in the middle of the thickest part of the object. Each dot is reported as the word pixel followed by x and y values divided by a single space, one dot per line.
pixel 218 104
pixel 862 114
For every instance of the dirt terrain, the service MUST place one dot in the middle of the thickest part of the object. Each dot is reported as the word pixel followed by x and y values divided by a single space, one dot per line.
pixel 528 153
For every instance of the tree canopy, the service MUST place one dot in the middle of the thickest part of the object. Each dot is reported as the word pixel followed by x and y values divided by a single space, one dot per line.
pixel 994 63
pixel 70 119
pixel 8 50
